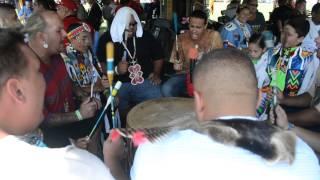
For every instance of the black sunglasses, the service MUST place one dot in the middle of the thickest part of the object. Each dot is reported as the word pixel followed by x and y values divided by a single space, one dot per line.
pixel 133 24
pixel 254 5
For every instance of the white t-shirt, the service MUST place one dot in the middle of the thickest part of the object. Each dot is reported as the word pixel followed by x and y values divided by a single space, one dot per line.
pixel 190 155
pixel 309 41
pixel 19 160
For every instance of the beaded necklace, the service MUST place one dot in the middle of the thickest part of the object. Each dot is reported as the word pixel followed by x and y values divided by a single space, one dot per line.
pixel 135 73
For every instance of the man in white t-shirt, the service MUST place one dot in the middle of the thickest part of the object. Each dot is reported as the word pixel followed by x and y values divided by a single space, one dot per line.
pixel 22 88
pixel 228 143
pixel 234 150
pixel 309 40
pixel 225 91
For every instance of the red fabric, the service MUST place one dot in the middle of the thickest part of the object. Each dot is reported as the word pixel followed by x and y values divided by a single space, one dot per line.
pixel 189 85
pixel 193 53
pixel 59 87
pixel 70 4
pixel 67 21
pixel 134 5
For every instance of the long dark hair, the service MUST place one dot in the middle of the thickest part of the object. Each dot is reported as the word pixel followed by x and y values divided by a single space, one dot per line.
pixel 258 39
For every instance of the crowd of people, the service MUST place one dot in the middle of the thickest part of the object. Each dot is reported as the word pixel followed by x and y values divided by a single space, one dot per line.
pixel 255 87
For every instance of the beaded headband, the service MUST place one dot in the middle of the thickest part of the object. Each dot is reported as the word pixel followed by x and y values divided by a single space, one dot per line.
pixel 84 27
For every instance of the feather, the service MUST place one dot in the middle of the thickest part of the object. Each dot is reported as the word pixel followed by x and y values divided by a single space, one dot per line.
pixel 115 135
pixel 140 136
pixel 259 137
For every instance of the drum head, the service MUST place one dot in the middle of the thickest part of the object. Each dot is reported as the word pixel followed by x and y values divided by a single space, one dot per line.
pixel 161 112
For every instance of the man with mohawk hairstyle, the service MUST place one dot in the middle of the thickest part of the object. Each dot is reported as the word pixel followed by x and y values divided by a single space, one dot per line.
pixel 227 141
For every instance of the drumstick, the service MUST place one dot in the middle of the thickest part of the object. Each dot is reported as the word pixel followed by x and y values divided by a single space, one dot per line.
pixel 91 89
pixel 175 23
pixel 113 94
pixel 110 72
pixel 275 92
pixel 93 78
pixel 99 68
pixel 110 52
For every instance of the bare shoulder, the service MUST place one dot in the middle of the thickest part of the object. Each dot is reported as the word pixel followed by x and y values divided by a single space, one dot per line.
pixel 211 34
pixel 184 35
pixel 215 38
pixel 215 34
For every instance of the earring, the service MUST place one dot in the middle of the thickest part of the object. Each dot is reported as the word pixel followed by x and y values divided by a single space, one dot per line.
pixel 45 45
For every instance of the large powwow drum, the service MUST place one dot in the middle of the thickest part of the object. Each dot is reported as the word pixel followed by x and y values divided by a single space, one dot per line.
pixel 163 112
pixel 159 113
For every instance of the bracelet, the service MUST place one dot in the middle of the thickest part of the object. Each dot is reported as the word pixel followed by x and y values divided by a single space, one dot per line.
pixel 78 114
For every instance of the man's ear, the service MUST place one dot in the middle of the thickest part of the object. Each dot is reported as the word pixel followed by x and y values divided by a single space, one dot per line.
pixel 42 36
pixel 199 105
pixel 15 91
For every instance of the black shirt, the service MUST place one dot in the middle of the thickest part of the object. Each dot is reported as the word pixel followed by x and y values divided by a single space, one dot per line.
pixel 258 25
pixel 95 16
pixel 148 50
pixel 282 13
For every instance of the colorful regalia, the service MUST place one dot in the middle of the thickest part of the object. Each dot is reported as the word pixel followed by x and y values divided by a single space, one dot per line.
pixel 81 67
pixel 265 103
pixel 291 70
pixel 263 84
pixel 236 34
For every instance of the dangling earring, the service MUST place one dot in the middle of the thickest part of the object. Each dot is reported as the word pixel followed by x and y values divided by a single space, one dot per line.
pixel 45 45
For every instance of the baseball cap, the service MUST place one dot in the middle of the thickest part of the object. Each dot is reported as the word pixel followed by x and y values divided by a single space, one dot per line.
pixel 69 4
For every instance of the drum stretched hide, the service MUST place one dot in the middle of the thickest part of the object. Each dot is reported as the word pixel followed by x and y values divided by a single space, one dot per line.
pixel 163 112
